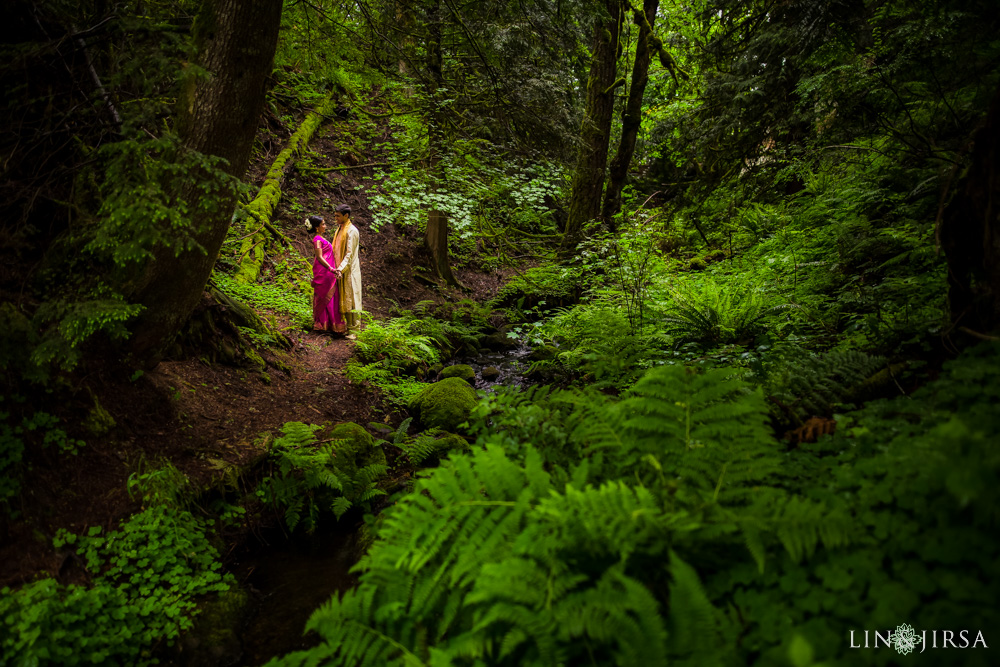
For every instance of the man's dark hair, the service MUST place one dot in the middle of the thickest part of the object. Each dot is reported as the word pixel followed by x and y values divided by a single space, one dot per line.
pixel 344 208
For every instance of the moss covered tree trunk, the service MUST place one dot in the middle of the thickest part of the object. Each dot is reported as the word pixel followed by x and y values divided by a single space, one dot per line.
pixel 595 133
pixel 970 233
pixel 217 115
pixel 631 114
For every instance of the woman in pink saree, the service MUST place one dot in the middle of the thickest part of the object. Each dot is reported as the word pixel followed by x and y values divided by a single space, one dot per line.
pixel 326 296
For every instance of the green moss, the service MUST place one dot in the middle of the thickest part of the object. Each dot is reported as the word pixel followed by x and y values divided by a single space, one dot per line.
pixel 444 404
pixel 254 359
pixel 462 371
pixel 99 421
pixel 356 448
pixel 260 210
pixel 544 353
pixel 451 442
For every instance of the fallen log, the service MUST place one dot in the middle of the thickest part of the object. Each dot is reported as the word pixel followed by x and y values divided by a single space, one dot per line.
pixel 259 211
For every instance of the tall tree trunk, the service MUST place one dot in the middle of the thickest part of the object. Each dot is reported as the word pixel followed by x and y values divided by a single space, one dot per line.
pixel 631 114
pixel 217 115
pixel 970 233
pixel 595 134
pixel 436 235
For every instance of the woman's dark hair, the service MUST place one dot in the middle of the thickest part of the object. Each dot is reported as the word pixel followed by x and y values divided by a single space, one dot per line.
pixel 313 222
pixel 344 208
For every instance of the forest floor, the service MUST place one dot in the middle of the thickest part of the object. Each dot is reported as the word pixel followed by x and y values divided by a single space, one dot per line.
pixel 207 418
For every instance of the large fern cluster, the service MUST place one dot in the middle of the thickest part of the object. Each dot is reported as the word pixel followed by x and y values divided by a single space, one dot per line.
pixel 486 563
pixel 714 313
pixel 395 388
pixel 596 340
pixel 395 342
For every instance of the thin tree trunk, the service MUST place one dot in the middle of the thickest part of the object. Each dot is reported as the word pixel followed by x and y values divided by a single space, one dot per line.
pixel 436 235
pixel 217 115
pixel 631 115
pixel 595 134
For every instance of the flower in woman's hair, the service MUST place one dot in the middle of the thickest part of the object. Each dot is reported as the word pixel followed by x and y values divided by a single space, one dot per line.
pixel 308 224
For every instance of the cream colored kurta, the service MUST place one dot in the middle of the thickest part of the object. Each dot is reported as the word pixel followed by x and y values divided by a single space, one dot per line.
pixel 350 266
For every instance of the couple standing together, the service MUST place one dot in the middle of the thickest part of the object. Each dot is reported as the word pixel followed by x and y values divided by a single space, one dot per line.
pixel 336 274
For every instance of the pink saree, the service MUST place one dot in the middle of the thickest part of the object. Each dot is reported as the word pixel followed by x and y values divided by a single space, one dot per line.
pixel 326 296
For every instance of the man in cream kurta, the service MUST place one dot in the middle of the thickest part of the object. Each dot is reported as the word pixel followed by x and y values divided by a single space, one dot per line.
pixel 349 268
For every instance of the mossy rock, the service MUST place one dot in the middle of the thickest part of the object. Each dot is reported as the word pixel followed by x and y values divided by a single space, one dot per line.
pixel 357 445
pixel 499 342
pixel 490 373
pixel 544 353
pixel 444 404
pixel 463 371
pixel 451 442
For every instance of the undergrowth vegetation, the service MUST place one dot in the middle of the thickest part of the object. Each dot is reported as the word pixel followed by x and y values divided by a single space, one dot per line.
pixel 670 525
pixel 145 581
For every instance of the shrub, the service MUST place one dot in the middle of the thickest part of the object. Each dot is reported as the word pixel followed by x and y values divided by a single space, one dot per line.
pixel 147 576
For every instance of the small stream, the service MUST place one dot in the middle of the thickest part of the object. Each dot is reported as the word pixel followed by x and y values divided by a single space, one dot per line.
pixel 288 579
pixel 512 364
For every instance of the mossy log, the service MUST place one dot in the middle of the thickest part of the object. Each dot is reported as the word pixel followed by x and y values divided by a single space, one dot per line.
pixel 259 211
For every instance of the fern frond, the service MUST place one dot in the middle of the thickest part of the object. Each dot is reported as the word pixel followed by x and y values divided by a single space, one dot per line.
pixel 808 384
pixel 801 524
pixel 706 428
pixel 340 505
pixel 694 622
